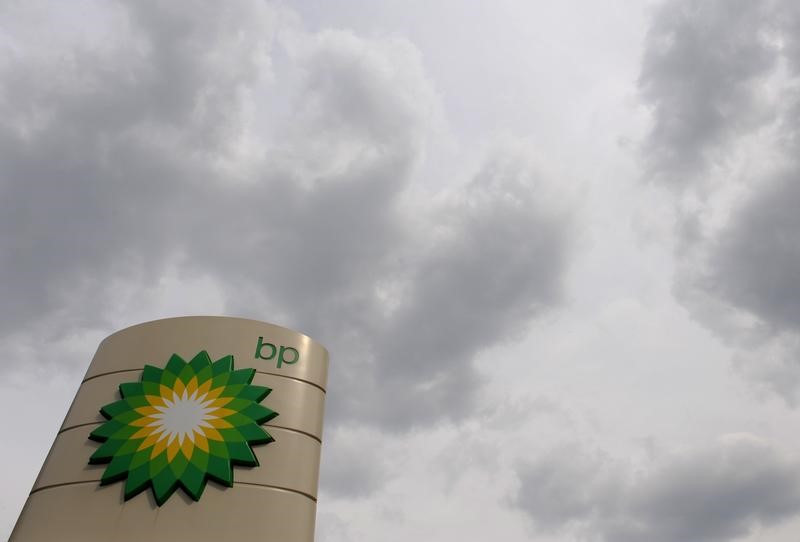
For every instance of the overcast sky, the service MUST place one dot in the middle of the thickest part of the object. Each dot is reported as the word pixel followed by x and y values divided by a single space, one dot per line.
pixel 553 248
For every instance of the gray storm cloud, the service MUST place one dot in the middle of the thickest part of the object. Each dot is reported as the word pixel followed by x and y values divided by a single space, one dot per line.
pixel 718 77
pixel 103 164
pixel 712 494
pixel 150 152
pixel 698 75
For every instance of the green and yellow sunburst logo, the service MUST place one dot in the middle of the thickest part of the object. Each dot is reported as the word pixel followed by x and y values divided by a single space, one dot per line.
pixel 181 425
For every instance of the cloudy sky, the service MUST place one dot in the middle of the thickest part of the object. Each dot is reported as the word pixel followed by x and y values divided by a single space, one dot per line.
pixel 553 248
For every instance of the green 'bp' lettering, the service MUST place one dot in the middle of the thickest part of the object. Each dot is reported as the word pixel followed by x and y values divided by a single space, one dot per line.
pixel 279 351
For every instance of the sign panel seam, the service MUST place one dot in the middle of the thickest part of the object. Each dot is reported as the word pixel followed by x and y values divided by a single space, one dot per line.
pixel 274 426
pixel 249 484
pixel 297 379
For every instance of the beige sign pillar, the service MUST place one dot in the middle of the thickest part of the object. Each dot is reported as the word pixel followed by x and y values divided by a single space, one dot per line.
pixel 160 426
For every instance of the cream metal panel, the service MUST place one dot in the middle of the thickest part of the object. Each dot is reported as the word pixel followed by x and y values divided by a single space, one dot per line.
pixel 154 342
pixel 88 512
pixel 290 462
pixel 299 405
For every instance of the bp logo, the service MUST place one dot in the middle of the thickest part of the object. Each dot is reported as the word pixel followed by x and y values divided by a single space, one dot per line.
pixel 180 426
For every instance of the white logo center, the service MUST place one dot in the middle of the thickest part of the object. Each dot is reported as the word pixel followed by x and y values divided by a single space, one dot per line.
pixel 182 416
